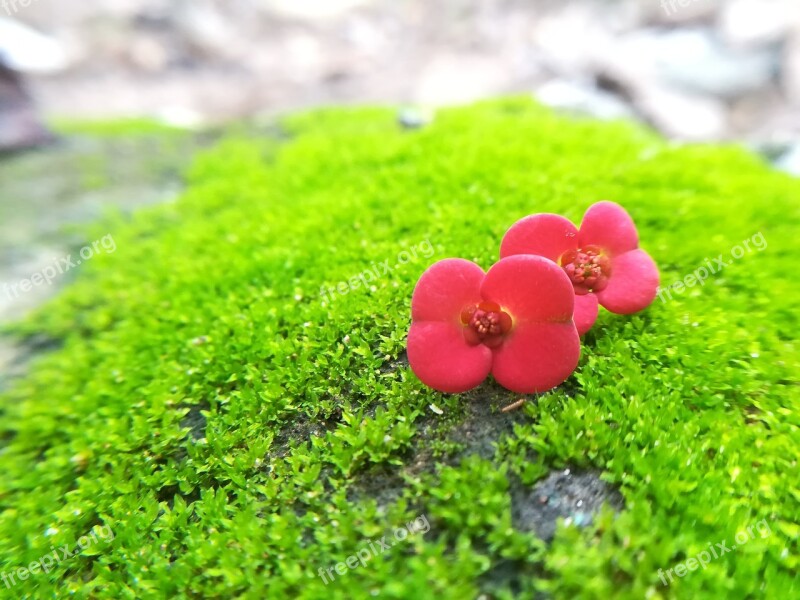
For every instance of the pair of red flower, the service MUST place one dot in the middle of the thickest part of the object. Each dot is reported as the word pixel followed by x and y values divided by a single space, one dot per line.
pixel 522 320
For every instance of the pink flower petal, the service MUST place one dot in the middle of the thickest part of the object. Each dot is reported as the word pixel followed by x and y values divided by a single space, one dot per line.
pixel 607 225
pixel 633 283
pixel 585 312
pixel 544 234
pixel 530 288
pixel 442 359
pixel 537 357
pixel 445 289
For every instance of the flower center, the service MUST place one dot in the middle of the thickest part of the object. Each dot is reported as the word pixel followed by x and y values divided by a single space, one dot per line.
pixel 588 269
pixel 486 324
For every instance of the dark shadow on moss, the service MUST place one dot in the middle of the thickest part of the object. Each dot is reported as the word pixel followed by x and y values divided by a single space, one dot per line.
pixel 506 576
pixel 401 362
pixel 195 421
pixel 442 442
pixel 484 424
pixel 380 483
pixel 22 352
pixel 300 430
pixel 168 494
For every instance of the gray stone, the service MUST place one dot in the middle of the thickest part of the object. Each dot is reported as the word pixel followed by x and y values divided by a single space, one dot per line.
pixel 209 34
pixel 28 51
pixel 451 78
pixel 583 98
pixel 695 61
pixel 20 126
pixel 791 69
pixel 312 9
pixel 680 12
pixel 757 22
pixel 574 497
pixel 414 118
pixel 683 116
pixel 790 162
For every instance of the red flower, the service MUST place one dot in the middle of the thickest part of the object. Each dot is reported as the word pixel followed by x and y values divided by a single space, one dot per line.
pixel 602 259
pixel 514 322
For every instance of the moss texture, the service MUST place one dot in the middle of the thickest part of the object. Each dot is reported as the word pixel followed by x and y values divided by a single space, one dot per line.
pixel 237 431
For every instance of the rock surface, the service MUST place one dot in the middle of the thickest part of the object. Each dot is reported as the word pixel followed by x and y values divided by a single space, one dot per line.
pixel 573 497
pixel 20 126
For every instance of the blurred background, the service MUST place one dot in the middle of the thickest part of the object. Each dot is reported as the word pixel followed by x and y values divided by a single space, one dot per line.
pixel 694 70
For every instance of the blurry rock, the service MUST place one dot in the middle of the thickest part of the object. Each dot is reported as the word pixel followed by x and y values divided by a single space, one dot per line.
pixel 414 118
pixel 791 69
pixel 758 22
pixel 27 51
pixel 585 98
pixel 459 79
pixel 751 112
pixel 696 62
pixel 683 116
pixel 20 127
pixel 209 33
pixel 670 12
pixel 790 162
pixel 365 34
pixel 312 9
pixel 153 18
pixel 181 117
pixel 780 126
pixel 305 56
pixel 771 150
pixel 148 54
pixel 574 497
pixel 556 34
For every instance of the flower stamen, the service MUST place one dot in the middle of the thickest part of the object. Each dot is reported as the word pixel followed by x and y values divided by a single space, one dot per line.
pixel 588 269
pixel 485 323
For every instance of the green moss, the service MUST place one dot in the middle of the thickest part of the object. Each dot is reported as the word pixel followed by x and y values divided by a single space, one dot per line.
pixel 225 421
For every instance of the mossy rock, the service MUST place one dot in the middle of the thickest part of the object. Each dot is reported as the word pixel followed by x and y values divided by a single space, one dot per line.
pixel 239 432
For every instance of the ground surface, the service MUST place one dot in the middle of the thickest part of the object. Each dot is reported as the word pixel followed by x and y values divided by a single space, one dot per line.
pixel 238 432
